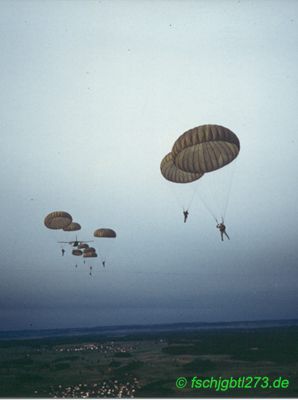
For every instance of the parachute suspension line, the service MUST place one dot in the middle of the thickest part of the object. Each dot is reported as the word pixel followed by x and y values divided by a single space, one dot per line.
pixel 209 197
pixel 102 258
pixel 229 191
pixel 174 194
pixel 193 196
pixel 100 255
pixel 208 208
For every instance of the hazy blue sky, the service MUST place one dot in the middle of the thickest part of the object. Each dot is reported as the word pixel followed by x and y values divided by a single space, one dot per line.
pixel 93 95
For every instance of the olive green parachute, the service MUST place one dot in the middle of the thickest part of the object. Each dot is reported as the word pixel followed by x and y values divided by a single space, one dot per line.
pixel 83 246
pixel 175 174
pixel 105 233
pixel 205 148
pixel 89 255
pixel 57 220
pixel 74 226
pixel 77 252
pixel 89 250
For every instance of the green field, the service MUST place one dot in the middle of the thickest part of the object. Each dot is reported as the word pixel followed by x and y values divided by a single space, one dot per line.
pixel 148 365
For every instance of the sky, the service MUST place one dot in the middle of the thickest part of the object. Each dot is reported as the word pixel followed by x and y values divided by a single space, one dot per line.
pixel 93 96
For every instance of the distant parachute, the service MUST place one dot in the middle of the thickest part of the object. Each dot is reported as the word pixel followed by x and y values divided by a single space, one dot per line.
pixel 89 250
pixel 90 255
pixel 83 246
pixel 57 220
pixel 205 148
pixel 77 252
pixel 175 174
pixel 104 233
pixel 74 226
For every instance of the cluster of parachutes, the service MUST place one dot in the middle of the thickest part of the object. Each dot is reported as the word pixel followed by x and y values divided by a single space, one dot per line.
pixel 63 220
pixel 196 152
pixel 90 252
pixel 83 249
pixel 199 151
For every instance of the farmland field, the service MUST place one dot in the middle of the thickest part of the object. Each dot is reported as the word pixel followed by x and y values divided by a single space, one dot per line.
pixel 148 365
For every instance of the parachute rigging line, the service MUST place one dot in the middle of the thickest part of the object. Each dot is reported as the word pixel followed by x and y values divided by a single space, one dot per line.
pixel 208 208
pixel 229 190
pixel 193 196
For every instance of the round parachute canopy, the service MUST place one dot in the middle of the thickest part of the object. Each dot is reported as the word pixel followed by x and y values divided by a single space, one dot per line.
pixel 174 174
pixel 105 233
pixel 83 246
pixel 205 148
pixel 89 255
pixel 77 252
pixel 57 220
pixel 90 250
pixel 74 226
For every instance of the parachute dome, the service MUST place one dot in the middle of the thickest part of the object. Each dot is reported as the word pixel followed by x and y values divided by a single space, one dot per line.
pixel 105 233
pixel 74 226
pixel 89 250
pixel 205 148
pixel 175 174
pixel 77 252
pixel 83 246
pixel 89 255
pixel 57 220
